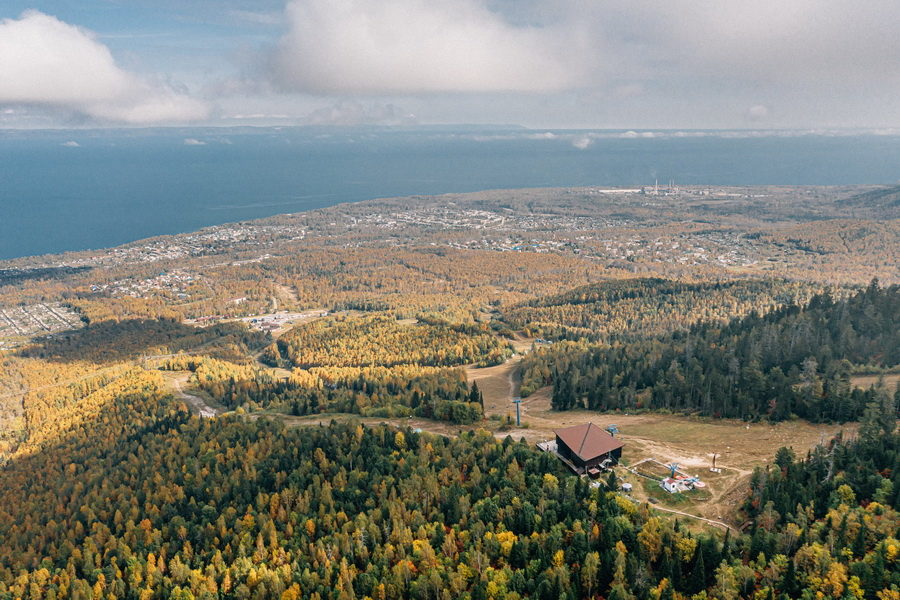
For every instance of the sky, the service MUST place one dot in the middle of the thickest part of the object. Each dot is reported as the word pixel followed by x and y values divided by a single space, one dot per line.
pixel 595 64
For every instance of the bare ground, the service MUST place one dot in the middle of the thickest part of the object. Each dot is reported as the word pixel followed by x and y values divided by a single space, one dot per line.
pixel 287 294
pixel 499 384
pixel 199 405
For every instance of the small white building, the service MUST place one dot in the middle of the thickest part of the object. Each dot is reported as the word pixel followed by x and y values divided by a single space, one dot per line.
pixel 671 485
pixel 680 484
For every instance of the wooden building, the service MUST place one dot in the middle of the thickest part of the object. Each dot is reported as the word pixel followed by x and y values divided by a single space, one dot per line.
pixel 587 447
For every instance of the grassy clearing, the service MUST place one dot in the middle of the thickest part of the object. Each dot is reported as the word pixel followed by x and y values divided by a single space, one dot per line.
pixel 891 381
pixel 738 445
pixel 679 500
pixel 690 442
pixel 495 384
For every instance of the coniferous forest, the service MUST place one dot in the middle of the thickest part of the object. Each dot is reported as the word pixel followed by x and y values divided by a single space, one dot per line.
pixel 177 507
pixel 793 361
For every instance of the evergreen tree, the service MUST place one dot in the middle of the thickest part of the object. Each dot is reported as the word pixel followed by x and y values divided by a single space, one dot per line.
pixel 788 585
pixel 697 578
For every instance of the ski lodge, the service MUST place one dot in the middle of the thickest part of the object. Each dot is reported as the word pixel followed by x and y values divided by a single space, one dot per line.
pixel 588 448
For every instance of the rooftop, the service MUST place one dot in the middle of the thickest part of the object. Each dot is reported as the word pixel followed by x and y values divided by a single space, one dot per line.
pixel 588 441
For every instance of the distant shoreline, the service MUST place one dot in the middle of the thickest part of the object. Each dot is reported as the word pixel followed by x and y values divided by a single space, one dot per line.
pixel 75 259
pixel 70 190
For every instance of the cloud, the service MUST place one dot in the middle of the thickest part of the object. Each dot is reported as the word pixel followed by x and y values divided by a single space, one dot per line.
pixel 641 64
pixel 757 112
pixel 419 46
pixel 193 142
pixel 71 144
pixel 355 113
pixel 45 62
pixel 583 142
pixel 834 43
pixel 255 17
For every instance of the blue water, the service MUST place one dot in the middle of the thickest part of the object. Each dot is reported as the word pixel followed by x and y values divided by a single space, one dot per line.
pixel 119 186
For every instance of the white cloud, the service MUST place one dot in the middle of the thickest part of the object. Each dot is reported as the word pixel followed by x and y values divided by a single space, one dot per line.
pixel 757 112
pixel 583 142
pixel 801 45
pixel 419 46
pixel 355 113
pixel 642 63
pixel 48 63
pixel 193 142
pixel 689 64
pixel 255 17
pixel 71 144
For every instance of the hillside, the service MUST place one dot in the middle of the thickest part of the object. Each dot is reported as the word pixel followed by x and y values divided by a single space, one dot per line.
pixel 793 361
pixel 886 201
pixel 320 405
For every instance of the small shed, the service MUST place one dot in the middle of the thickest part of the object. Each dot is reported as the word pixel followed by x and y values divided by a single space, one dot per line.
pixel 670 485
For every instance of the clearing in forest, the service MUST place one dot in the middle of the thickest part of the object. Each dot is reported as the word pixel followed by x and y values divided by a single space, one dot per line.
pixel 688 441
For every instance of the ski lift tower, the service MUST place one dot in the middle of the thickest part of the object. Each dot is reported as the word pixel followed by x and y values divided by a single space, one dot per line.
pixel 518 401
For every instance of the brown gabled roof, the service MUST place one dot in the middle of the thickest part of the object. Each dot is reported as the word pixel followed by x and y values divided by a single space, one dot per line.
pixel 588 441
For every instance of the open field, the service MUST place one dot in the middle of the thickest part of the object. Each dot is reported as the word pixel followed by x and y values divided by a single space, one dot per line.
pixel 688 441
pixel 499 384
pixel 891 381
pixel 738 444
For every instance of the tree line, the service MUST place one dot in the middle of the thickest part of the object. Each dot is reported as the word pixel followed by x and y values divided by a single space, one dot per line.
pixel 794 360
pixel 439 393
pixel 618 309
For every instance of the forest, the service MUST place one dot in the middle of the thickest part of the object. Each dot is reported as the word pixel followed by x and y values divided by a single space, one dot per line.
pixel 793 361
pixel 355 456
pixel 378 340
pixel 647 306
pixel 178 507
pixel 15 276
pixel 439 393
pixel 109 341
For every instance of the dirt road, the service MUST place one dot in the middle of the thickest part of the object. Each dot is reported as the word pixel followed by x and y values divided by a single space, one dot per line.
pixel 197 404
